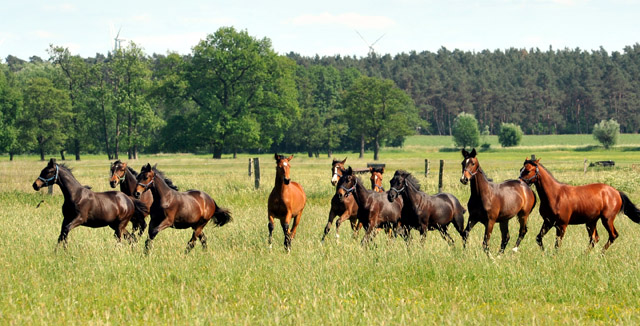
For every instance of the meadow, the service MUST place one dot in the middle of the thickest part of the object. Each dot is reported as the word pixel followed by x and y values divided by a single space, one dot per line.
pixel 238 280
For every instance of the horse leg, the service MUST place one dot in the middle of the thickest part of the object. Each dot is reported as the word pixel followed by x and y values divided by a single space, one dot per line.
pixel 546 226
pixel 445 235
pixel 593 233
pixel 523 230
pixel 296 221
pixel 154 228
pixel 67 226
pixel 197 231
pixel 284 223
pixel 368 234
pixel 487 235
pixel 560 231
pixel 355 226
pixel 345 216
pixel 504 230
pixel 327 228
pixel 270 230
pixel 613 233
pixel 465 235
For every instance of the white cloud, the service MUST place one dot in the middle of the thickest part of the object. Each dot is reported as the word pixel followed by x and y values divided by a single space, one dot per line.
pixel 351 20
pixel 60 7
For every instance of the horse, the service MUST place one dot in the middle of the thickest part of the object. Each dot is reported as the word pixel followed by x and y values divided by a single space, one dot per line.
pixel 492 203
pixel 562 204
pixel 374 208
pixel 345 207
pixel 376 179
pixel 179 210
pixel 424 212
pixel 286 201
pixel 84 207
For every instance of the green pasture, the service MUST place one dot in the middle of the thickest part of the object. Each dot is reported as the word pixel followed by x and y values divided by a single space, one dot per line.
pixel 238 280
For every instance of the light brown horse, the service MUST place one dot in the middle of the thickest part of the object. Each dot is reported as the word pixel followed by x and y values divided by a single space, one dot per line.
pixel 376 179
pixel 492 203
pixel 180 210
pixel 562 204
pixel 286 201
pixel 344 207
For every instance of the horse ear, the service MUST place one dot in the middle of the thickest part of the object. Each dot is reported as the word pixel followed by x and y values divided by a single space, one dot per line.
pixel 465 154
pixel 146 167
pixel 473 153
pixel 349 170
pixel 537 161
pixel 276 156
pixel 124 165
pixel 155 165
pixel 345 159
pixel 290 158
pixel 52 161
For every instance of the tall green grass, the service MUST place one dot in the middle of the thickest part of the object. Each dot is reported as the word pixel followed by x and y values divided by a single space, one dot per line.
pixel 238 280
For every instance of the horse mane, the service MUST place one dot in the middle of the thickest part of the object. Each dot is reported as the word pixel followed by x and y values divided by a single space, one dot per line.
pixel 540 164
pixel 168 181
pixel 409 178
pixel 134 172
pixel 65 167
pixel 280 158
pixel 377 169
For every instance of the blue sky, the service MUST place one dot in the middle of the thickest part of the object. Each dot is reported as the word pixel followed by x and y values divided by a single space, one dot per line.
pixel 320 27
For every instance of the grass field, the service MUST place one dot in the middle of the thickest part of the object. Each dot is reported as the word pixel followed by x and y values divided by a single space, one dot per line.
pixel 239 281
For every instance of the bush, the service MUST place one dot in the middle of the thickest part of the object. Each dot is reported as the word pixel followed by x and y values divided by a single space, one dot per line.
pixel 465 131
pixel 509 135
pixel 606 132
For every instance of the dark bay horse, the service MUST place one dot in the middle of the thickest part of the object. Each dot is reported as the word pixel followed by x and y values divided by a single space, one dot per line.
pixel 492 203
pixel 179 210
pixel 344 207
pixel 424 212
pixel 84 207
pixel 562 204
pixel 125 176
pixel 286 201
pixel 374 208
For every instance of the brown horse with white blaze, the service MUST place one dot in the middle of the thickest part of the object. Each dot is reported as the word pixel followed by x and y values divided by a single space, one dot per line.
pixel 343 207
pixel 562 204
pixel 492 203
pixel 286 201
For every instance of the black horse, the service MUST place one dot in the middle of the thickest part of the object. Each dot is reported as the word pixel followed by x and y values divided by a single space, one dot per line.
pixel 424 212
pixel 374 208
pixel 84 207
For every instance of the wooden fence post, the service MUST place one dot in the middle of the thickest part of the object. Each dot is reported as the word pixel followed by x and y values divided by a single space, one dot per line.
pixel 426 167
pixel 440 176
pixel 249 166
pixel 256 168
pixel 585 166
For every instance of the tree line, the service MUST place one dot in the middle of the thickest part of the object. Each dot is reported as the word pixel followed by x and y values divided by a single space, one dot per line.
pixel 233 93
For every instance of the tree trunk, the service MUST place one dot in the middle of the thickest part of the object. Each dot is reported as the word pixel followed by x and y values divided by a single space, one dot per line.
pixel 11 156
pixel 330 153
pixel 362 146
pixel 62 154
pixel 135 151
pixel 77 149
pixel 310 153
pixel 41 153
pixel 376 150
pixel 217 152
pixel 235 154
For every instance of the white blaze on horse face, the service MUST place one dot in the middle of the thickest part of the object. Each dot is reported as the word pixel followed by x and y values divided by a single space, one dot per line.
pixel 285 163
pixel 334 178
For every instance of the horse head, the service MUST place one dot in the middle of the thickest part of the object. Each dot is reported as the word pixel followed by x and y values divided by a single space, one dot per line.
pixel 145 179
pixel 470 166
pixel 337 169
pixel 376 179
pixel 48 176
pixel 530 173
pixel 347 184
pixel 282 167
pixel 118 170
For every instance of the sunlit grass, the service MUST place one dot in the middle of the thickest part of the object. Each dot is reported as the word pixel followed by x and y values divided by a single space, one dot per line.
pixel 239 281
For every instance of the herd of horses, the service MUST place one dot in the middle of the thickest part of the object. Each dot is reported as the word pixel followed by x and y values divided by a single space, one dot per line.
pixel 399 210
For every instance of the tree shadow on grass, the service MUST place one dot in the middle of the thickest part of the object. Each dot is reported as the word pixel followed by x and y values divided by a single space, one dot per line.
pixel 588 148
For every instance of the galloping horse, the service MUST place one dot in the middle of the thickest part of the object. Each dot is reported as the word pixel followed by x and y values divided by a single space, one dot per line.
pixel 374 208
pixel 124 175
pixel 84 207
pixel 286 201
pixel 376 179
pixel 345 207
pixel 490 203
pixel 424 212
pixel 180 210
pixel 562 204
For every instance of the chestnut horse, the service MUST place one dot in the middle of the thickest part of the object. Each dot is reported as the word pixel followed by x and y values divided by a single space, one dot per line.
pixel 180 210
pixel 374 208
pixel 84 207
pixel 345 207
pixel 562 204
pixel 376 179
pixel 492 203
pixel 286 201
pixel 424 212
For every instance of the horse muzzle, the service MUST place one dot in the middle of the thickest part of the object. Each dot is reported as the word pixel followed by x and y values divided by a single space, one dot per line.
pixel 136 194
pixel 36 187
pixel 113 184
pixel 391 196
pixel 287 181
pixel 464 180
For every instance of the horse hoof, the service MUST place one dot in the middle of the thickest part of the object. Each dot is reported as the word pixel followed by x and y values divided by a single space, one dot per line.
pixel 515 249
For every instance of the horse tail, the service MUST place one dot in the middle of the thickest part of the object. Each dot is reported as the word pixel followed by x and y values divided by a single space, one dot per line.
pixel 221 216
pixel 629 208
pixel 141 210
